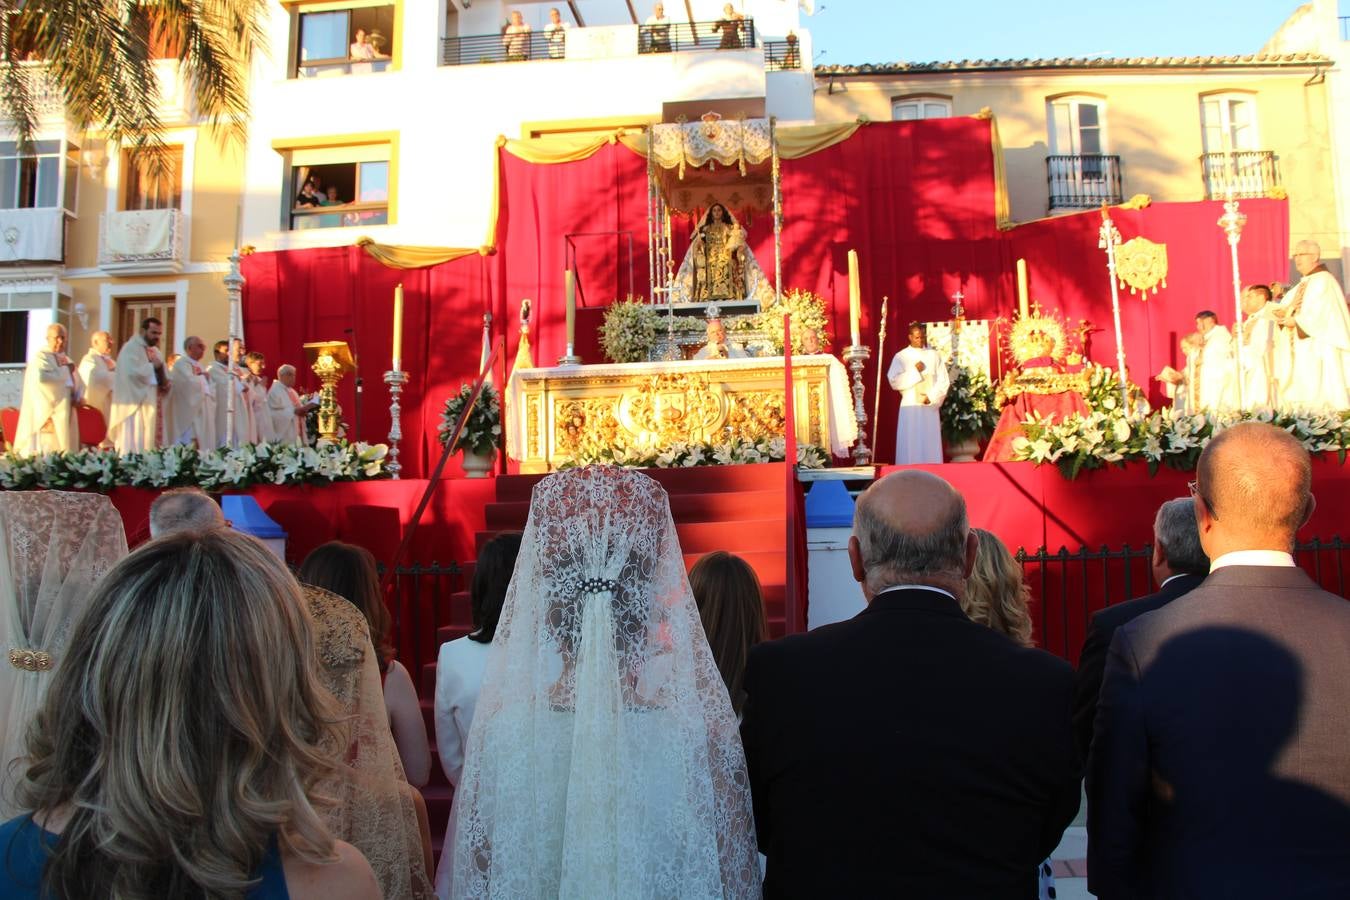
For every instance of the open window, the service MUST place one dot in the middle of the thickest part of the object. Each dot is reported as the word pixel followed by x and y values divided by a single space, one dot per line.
pixel 344 38
pixel 45 175
pixel 334 187
pixel 147 186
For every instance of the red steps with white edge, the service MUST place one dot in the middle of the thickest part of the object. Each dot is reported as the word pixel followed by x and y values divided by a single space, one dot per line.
pixel 740 509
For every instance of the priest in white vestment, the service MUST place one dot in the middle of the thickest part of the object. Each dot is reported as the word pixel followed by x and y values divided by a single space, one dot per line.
pixel 919 375
pixel 51 390
pixel 1215 366
pixel 260 422
pixel 285 409
pixel 136 389
pixel 717 346
pixel 1256 349
pixel 191 406
pixel 96 370
pixel 1316 309
pixel 224 379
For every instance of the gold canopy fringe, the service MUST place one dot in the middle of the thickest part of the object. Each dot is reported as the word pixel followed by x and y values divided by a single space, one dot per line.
pixel 398 256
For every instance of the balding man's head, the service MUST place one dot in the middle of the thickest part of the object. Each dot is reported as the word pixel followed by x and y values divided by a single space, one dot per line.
pixel 1307 256
pixel 910 528
pixel 1254 485
pixel 184 509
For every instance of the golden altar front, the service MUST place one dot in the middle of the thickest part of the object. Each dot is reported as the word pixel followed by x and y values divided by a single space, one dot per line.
pixel 562 413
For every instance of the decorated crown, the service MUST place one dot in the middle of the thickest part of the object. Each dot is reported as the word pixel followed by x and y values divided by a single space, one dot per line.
pixel 1036 335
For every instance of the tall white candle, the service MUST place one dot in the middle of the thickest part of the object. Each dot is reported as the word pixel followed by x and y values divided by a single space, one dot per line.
pixel 570 283
pixel 1023 301
pixel 854 299
pixel 398 329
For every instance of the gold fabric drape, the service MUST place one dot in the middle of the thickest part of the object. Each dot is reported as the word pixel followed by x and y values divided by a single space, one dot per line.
pixel 399 256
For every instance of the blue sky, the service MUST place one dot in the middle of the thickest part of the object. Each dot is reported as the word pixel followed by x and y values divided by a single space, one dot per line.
pixel 871 31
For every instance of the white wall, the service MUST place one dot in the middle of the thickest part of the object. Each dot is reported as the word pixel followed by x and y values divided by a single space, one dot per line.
pixel 448 117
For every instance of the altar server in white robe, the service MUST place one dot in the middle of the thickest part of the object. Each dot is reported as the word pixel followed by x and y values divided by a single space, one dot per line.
pixel 51 389
pixel 224 379
pixel 919 375
pixel 191 406
pixel 1257 348
pixel 1316 309
pixel 284 408
pixel 96 370
pixel 136 389
pixel 260 421
pixel 1215 367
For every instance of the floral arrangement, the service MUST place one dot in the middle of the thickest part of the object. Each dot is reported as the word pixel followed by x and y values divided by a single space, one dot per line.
pixel 483 431
pixel 1165 437
pixel 630 329
pixel 220 469
pixel 737 451
pixel 807 312
pixel 970 410
pixel 1103 390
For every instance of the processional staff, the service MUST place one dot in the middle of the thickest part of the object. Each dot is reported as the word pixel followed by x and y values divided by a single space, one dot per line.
pixel 881 357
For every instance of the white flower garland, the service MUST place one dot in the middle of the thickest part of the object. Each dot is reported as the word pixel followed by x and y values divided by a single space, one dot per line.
pixel 738 451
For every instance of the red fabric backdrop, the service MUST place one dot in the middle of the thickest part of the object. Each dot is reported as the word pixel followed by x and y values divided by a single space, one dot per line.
pixel 915 199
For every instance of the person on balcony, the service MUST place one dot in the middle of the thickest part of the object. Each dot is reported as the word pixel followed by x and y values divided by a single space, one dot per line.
pixel 364 52
pixel 51 389
pixel 516 38
pixel 730 27
pixel 555 34
pixel 1315 311
pixel 656 31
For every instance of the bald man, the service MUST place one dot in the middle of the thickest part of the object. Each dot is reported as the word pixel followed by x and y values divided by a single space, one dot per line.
pixel 908 751
pixel 97 370
pixel 191 406
pixel 1220 765
pixel 51 389
pixel 1318 324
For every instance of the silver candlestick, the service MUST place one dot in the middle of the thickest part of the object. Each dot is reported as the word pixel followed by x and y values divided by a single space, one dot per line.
pixel 856 355
pixel 395 379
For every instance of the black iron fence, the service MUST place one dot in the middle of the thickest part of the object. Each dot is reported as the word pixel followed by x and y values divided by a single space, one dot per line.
pixel 1067 587
pixel 1083 181
pixel 782 56
pixel 530 46
pixel 1241 173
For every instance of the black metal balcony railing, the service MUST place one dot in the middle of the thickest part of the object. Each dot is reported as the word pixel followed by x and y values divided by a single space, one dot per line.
pixel 536 45
pixel 1241 173
pixel 1083 181
pixel 782 56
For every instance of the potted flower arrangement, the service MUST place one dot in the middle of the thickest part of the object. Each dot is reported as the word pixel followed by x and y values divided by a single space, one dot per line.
pixel 969 414
pixel 807 311
pixel 482 434
pixel 630 330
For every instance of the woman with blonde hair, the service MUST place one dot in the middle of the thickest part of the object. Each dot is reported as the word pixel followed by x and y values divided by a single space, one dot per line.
pixel 178 747
pixel 996 595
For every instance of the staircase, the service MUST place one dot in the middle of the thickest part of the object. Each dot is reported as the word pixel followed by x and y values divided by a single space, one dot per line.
pixel 740 509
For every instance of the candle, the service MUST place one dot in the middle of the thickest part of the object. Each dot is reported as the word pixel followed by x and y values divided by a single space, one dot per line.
pixel 571 287
pixel 398 329
pixel 854 299
pixel 1022 301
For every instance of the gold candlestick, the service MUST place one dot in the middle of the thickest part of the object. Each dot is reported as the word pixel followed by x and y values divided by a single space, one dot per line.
pixel 329 360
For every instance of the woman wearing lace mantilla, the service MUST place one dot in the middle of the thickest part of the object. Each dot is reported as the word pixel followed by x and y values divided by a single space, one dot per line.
pixel 604 759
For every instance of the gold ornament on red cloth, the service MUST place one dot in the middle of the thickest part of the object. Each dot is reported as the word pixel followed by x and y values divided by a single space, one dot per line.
pixel 1141 265
pixel 1037 336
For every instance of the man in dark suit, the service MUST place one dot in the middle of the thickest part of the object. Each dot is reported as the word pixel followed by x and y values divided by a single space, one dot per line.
pixel 908 752
pixel 1220 765
pixel 1179 565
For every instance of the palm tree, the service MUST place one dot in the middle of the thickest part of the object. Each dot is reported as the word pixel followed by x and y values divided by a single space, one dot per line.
pixel 98 57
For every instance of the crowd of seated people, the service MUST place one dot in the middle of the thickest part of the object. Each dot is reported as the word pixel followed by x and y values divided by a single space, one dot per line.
pixel 190 719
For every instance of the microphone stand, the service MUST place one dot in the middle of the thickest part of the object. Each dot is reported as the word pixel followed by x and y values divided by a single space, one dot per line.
pixel 356 365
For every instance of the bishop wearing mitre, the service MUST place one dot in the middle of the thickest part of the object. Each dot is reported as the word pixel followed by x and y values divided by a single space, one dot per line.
pixel 96 370
pixel 284 408
pixel 136 389
pixel 51 389
pixel 191 407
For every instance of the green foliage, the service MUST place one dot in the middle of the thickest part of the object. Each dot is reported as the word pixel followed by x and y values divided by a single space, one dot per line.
pixel 630 330
pixel 970 410
pixel 483 431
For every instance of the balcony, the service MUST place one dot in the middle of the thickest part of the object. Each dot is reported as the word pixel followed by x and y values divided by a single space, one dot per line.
pixel 1083 181
pixel 602 42
pixel 141 242
pixel 783 56
pixel 33 236
pixel 1240 174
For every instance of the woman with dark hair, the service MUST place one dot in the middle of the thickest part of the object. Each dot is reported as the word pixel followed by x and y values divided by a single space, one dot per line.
pixel 731 605
pixel 349 571
pixel 460 666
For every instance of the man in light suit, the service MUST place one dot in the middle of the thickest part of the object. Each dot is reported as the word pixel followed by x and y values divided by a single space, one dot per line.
pixel 1179 565
pixel 1220 764
pixel 908 751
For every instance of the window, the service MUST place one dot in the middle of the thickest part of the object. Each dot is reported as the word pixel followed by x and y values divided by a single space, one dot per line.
pixel 354 39
pixel 13 337
pixel 1229 122
pixel 1078 129
pixel 907 109
pixel 24 317
pixel 45 177
pixel 153 187
pixel 332 187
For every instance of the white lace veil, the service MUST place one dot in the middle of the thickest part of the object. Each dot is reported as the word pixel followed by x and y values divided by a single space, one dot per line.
pixel 54 547
pixel 604 759
pixel 758 286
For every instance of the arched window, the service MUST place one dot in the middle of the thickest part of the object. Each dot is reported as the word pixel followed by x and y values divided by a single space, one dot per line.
pixel 920 106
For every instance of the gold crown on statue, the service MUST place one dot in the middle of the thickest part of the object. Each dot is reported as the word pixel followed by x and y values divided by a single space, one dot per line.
pixel 1036 335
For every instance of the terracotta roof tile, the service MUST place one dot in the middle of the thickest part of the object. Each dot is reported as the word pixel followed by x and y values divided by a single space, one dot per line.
pixel 1270 60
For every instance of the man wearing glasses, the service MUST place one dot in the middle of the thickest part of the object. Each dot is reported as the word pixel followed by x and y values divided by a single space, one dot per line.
pixel 1315 312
